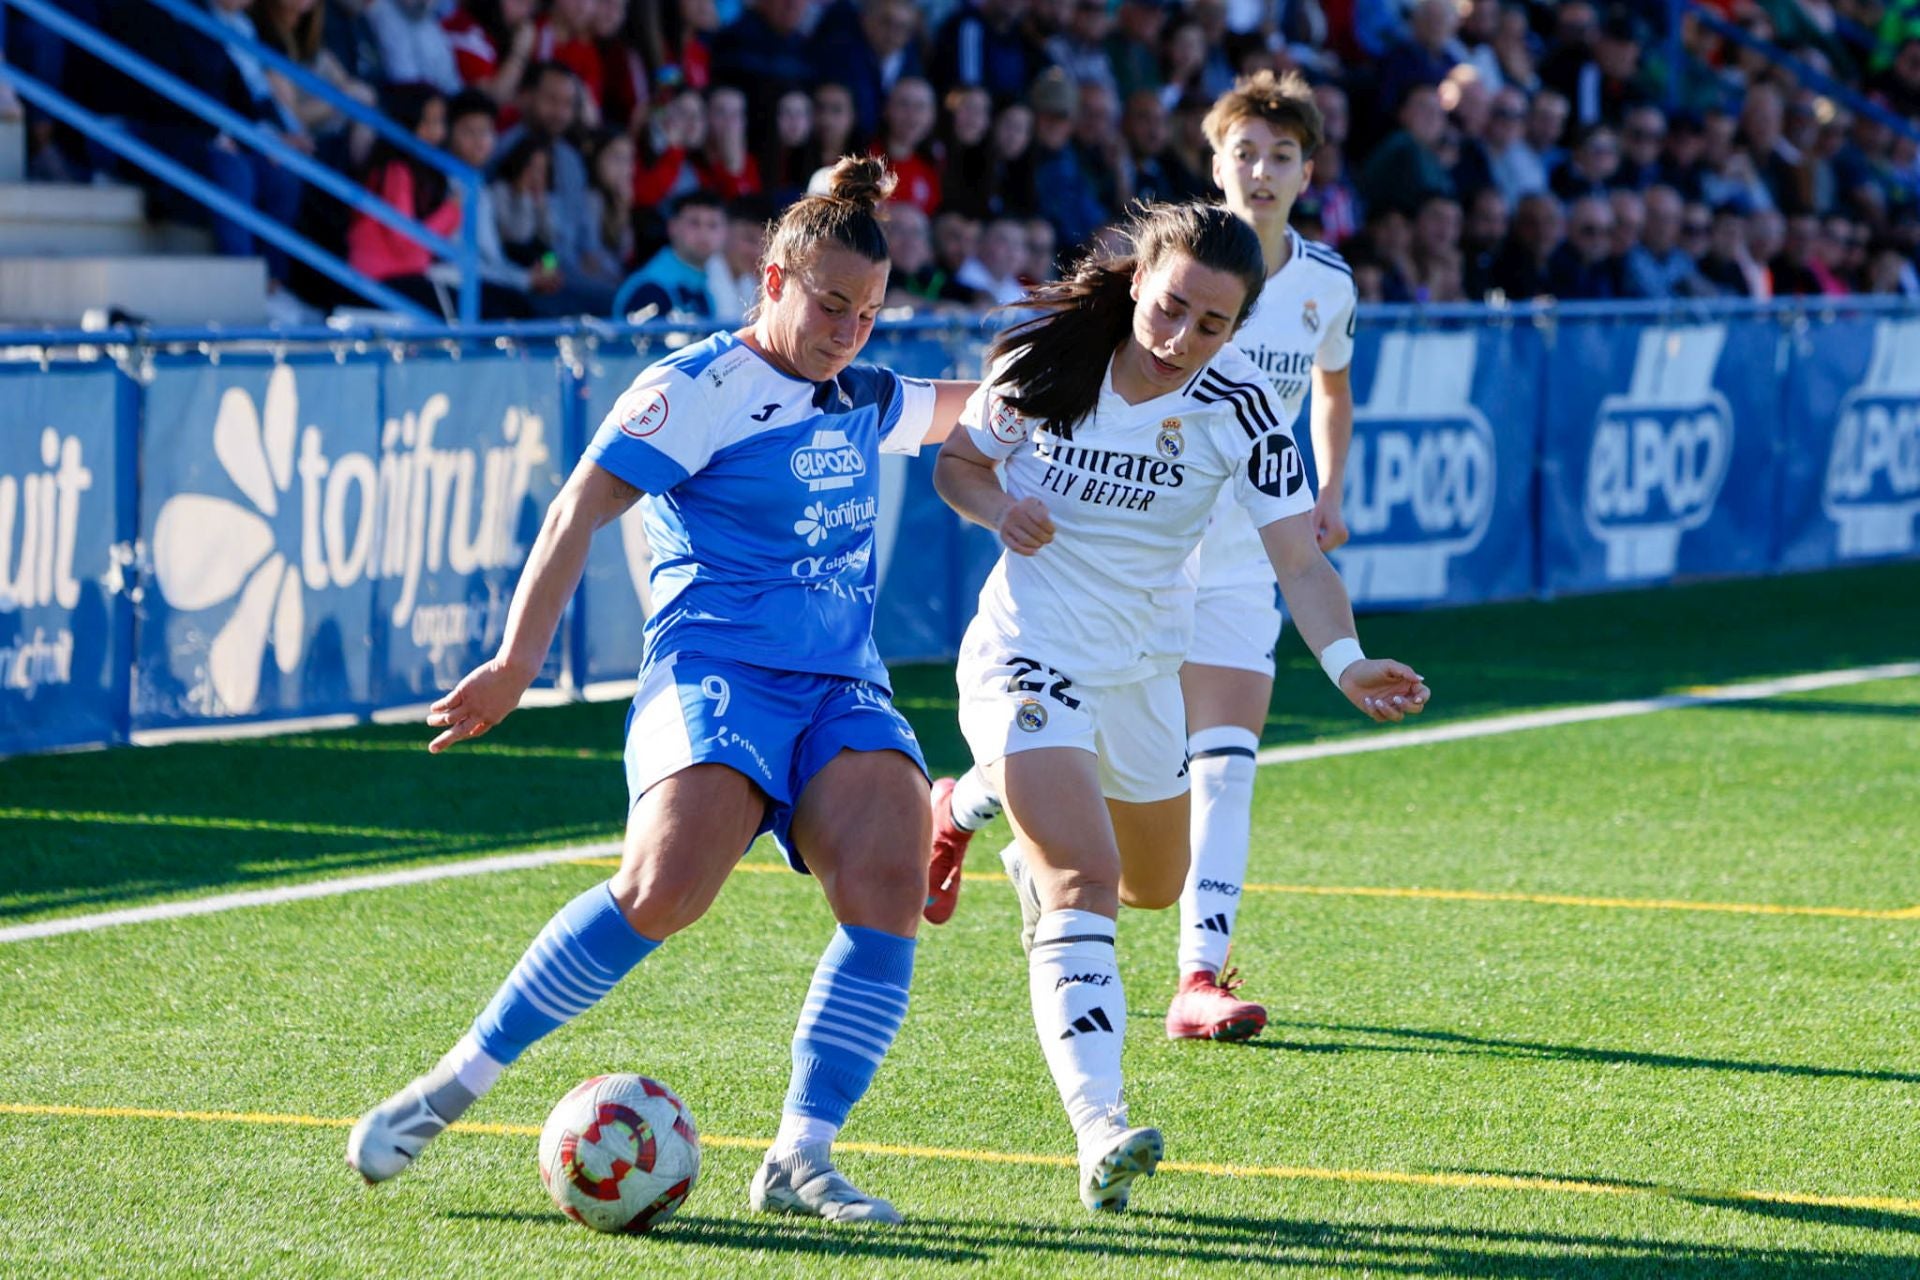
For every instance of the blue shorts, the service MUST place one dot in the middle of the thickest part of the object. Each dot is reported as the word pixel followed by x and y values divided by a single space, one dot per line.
pixel 779 728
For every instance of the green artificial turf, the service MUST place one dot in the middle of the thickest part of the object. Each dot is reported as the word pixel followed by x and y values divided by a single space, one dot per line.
pixel 1450 1086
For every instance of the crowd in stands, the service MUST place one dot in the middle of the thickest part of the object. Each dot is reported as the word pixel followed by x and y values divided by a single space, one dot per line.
pixel 632 150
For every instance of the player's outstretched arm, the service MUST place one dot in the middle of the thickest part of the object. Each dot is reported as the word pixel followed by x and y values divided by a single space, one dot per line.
pixel 1317 602
pixel 965 479
pixel 1332 437
pixel 949 398
pixel 591 498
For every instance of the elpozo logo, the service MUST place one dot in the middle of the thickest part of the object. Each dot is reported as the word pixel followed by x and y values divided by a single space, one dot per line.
pixel 1660 452
pixel 830 461
pixel 322 522
pixel 1872 492
pixel 1421 475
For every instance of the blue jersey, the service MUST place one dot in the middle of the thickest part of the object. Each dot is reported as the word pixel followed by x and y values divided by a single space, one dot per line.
pixel 763 493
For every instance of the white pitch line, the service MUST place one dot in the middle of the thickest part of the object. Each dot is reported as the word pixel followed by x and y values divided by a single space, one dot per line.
pixel 1486 727
pixel 1492 725
pixel 300 892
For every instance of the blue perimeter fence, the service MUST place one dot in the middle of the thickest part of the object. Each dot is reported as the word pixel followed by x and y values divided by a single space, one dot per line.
pixel 202 530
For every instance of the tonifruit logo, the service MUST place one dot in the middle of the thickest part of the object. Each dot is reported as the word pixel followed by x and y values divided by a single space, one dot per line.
pixel 1420 473
pixel 314 522
pixel 39 533
pixel 818 519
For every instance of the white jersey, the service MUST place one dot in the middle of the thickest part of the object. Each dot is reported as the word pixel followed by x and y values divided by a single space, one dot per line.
pixel 1304 319
pixel 1129 495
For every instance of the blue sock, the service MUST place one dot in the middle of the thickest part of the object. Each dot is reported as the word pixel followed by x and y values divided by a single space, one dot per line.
pixel 586 948
pixel 853 1011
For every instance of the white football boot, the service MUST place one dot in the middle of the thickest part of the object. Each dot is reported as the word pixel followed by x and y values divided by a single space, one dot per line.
pixel 386 1139
pixel 1110 1159
pixel 806 1183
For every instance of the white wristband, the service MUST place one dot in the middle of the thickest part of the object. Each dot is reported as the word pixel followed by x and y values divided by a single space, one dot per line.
pixel 1338 656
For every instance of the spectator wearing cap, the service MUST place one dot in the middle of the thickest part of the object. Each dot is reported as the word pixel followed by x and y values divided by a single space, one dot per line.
pixel 906 141
pixel 1643 137
pixel 674 280
pixel 1424 57
pixel 1406 168
pixel 869 47
pixel 733 274
pixel 1063 190
pixel 984 42
pixel 1133 45
pixel 1590 170
pixel 1514 166
pixel 1584 266
pixel 1484 229
pixel 549 109
pixel 1080 48
pixel 763 54
pixel 1158 174
pixel 1520 270
pixel 1726 267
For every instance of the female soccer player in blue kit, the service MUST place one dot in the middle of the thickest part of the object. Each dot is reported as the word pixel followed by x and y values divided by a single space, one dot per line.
pixel 762 703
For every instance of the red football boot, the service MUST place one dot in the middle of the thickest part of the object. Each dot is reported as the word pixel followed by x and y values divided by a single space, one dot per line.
pixel 1207 1009
pixel 949 851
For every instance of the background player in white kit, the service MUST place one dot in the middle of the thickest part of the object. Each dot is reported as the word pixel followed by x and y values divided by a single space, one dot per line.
pixel 1069 697
pixel 1264 133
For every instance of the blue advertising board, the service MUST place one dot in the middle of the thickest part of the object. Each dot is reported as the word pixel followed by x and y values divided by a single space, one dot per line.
pixel 260 509
pixel 1658 451
pixel 63 665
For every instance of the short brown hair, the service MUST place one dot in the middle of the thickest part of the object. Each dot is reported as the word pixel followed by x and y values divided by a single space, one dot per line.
pixel 1284 102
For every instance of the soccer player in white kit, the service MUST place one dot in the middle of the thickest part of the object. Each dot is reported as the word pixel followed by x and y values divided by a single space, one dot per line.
pixel 1264 133
pixel 1096 447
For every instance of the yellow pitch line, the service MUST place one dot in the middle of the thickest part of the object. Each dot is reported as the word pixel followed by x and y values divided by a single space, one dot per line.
pixel 201 822
pixel 1284 1173
pixel 1477 895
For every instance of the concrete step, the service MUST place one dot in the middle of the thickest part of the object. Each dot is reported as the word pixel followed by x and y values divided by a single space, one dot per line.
pixel 72 218
pixel 164 290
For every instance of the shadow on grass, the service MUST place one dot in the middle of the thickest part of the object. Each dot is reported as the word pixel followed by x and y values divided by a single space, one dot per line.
pixel 1169 1239
pixel 1498 1047
pixel 1822 707
pixel 1862 1217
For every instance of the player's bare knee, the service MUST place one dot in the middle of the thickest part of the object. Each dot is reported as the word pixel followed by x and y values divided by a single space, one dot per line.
pixel 1149 896
pixel 660 899
pixel 882 891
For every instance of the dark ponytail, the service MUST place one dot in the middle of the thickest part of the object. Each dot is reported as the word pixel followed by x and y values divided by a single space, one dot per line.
pixel 1059 359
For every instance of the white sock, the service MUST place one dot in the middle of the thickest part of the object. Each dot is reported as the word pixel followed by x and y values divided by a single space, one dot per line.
pixel 798 1131
pixel 1221 765
pixel 974 804
pixel 472 1066
pixel 1081 1013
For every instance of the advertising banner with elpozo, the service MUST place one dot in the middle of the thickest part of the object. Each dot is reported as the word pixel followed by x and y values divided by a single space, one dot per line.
pixel 1658 451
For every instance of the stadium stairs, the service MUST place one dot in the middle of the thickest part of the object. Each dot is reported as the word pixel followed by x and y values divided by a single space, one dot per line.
pixel 67 249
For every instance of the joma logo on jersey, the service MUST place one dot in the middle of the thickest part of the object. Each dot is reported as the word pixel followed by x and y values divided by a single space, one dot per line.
pixel 830 462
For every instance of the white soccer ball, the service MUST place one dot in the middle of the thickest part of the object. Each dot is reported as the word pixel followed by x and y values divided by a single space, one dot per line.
pixel 619 1153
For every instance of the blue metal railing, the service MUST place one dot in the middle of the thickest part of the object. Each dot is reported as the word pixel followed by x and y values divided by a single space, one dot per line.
pixel 1803 71
pixel 117 139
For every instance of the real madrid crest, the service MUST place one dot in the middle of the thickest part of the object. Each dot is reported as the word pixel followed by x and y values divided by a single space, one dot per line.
pixel 1169 442
pixel 1030 716
pixel 1310 316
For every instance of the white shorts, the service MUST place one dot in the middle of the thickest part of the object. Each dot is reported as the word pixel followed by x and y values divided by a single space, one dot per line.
pixel 1011 703
pixel 1236 627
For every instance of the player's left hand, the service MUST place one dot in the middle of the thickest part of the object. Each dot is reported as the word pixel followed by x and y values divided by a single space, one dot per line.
pixel 1385 690
pixel 1329 526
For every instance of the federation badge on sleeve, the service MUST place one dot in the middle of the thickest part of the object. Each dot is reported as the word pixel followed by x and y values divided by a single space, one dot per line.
pixel 1170 443
pixel 1005 423
pixel 647 418
pixel 1030 716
